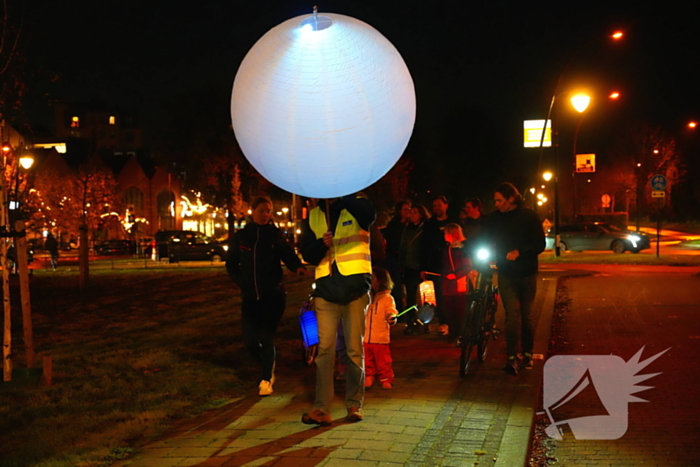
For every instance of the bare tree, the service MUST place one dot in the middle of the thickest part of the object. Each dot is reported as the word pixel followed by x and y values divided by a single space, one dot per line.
pixel 640 153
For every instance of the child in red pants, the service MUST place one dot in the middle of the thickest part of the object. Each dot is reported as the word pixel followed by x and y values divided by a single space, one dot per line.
pixel 380 315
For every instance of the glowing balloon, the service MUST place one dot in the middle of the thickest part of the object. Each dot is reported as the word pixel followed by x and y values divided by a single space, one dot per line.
pixel 323 106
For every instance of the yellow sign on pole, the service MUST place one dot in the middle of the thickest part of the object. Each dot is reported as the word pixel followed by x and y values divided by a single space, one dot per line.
pixel 533 133
pixel 585 163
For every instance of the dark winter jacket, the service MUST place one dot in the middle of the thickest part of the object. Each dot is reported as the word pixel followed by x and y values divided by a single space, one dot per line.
pixel 433 243
pixel 254 257
pixel 519 229
pixel 455 261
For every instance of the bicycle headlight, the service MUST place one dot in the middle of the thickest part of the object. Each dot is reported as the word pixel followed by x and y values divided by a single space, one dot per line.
pixel 225 247
pixel 482 254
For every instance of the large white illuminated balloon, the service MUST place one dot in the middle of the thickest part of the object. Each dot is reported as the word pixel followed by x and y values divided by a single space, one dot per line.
pixel 323 106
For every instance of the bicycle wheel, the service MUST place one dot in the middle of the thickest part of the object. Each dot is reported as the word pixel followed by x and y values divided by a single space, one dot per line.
pixel 482 333
pixel 467 339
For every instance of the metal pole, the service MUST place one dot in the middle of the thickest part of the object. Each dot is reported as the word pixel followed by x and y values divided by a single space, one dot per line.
pixel 658 227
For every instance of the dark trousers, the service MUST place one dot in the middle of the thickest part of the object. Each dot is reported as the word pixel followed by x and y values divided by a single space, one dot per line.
pixel 392 266
pixel 260 319
pixel 411 279
pixel 454 308
pixel 518 295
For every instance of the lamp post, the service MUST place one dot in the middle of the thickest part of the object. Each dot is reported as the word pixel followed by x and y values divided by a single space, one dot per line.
pixel 580 103
pixel 617 35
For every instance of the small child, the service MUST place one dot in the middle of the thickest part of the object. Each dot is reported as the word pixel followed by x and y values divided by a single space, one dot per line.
pixel 380 315
pixel 455 269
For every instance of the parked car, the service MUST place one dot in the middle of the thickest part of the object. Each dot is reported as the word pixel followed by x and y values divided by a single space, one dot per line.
pixel 115 247
pixel 598 236
pixel 188 245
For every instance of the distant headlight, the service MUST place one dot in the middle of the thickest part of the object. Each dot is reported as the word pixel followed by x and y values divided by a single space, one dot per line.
pixel 225 247
pixel 634 238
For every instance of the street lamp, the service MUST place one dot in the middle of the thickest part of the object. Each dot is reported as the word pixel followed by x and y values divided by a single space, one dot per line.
pixel 617 35
pixel 580 103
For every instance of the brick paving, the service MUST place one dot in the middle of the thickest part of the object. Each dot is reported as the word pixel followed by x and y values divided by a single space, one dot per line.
pixel 430 418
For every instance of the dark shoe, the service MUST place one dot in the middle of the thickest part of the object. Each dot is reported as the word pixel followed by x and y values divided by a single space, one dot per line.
pixel 527 361
pixel 511 366
pixel 354 414
pixel 317 417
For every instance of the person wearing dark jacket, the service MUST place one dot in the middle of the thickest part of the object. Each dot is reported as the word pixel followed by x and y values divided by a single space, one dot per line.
pixel 433 250
pixel 336 239
pixel 392 234
pixel 254 265
pixel 517 238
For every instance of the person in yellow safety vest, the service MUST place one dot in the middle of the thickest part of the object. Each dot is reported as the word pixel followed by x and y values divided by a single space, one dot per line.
pixel 336 239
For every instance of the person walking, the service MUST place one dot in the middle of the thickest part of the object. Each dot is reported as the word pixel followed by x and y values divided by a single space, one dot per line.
pixel 336 238
pixel 516 236
pixel 51 245
pixel 455 269
pixel 254 257
pixel 410 261
pixel 392 234
pixel 381 315
pixel 433 250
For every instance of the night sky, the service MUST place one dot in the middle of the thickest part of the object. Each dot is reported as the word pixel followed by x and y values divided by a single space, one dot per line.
pixel 479 68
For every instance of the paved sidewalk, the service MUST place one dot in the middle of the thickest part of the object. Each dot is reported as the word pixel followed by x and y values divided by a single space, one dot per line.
pixel 431 417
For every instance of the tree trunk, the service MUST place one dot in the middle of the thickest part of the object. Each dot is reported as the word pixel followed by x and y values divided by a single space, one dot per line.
pixel 23 269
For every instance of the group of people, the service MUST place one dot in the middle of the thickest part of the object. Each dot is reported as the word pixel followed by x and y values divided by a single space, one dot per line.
pixel 360 299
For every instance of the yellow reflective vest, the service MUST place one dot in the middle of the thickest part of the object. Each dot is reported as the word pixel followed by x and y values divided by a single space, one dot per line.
pixel 350 248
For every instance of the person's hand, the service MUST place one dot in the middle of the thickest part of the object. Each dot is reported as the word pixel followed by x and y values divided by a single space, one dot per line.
pixel 512 255
pixel 328 239
pixel 451 276
pixel 391 319
pixel 302 272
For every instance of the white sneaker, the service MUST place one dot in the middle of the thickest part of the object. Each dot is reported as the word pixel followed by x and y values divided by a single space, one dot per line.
pixel 444 329
pixel 265 388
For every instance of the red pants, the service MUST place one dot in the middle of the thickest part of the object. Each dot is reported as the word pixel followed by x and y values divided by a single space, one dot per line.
pixel 378 362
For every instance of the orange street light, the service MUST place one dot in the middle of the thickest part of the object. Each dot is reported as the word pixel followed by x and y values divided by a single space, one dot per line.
pixel 614 95
pixel 692 124
pixel 617 35
pixel 580 102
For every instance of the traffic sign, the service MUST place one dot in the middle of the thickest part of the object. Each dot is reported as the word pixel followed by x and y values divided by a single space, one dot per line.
pixel 658 183
pixel 585 163
pixel 658 194
pixel 606 200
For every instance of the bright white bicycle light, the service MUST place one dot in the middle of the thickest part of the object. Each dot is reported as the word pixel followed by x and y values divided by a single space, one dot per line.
pixel 483 254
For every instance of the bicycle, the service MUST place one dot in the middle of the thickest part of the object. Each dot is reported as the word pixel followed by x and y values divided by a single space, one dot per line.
pixel 479 321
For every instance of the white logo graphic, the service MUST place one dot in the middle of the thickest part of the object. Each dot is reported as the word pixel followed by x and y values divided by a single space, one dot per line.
pixel 590 393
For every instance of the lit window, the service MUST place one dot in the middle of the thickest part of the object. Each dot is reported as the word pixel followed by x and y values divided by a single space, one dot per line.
pixel 75 122
pixel 112 120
